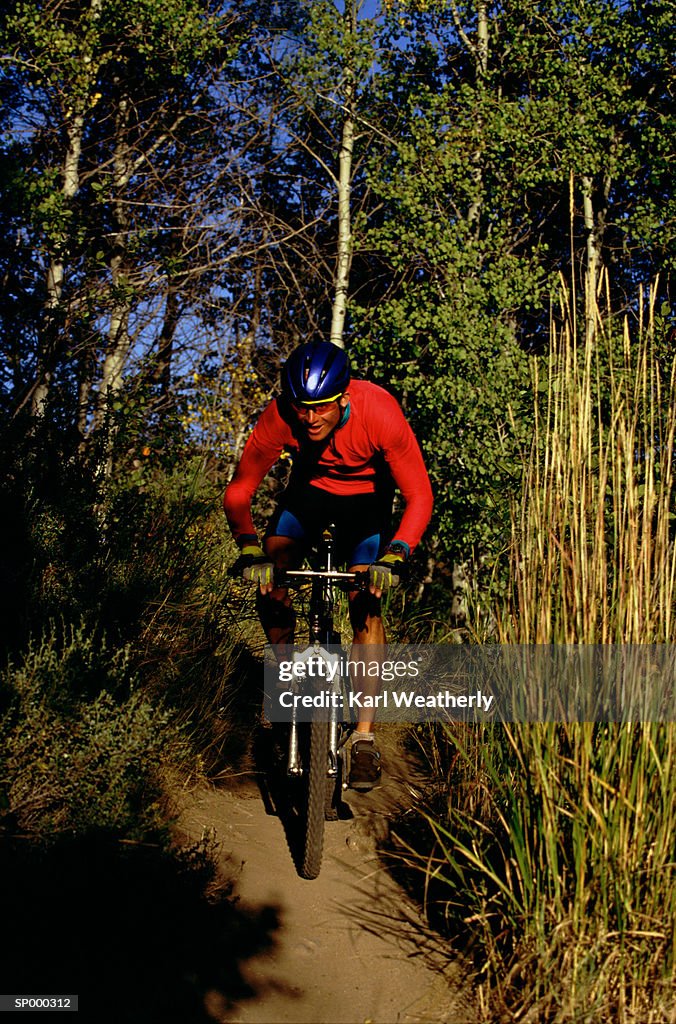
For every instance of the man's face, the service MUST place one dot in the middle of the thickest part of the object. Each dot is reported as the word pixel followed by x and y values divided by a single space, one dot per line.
pixel 317 421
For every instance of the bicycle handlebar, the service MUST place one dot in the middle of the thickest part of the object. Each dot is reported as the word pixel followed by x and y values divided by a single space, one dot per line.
pixel 330 574
pixel 344 580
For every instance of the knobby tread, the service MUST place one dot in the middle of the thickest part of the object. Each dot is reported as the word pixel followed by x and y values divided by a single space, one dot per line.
pixel 315 805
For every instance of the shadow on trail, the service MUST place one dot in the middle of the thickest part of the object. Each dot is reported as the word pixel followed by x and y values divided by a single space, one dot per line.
pixel 130 929
pixel 284 796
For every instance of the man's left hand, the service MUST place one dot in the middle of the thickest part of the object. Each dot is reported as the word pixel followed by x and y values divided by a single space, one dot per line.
pixel 388 570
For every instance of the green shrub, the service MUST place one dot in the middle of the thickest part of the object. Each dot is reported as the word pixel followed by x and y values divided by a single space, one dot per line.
pixel 80 747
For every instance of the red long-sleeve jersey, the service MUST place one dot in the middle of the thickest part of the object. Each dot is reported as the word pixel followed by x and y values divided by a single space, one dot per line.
pixel 372 431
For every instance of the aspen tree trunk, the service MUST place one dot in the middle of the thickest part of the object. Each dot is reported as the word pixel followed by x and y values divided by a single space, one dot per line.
pixel 118 328
pixel 70 184
pixel 594 226
pixel 165 344
pixel 118 334
pixel 481 65
pixel 344 258
pixel 161 371
pixel 482 38
pixel 55 272
pixel 592 267
pixel 83 393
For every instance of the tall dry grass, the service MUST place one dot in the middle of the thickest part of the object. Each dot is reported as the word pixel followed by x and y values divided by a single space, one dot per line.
pixel 593 559
pixel 555 844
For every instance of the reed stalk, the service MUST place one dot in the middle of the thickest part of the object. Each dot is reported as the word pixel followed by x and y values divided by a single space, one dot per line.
pixel 565 875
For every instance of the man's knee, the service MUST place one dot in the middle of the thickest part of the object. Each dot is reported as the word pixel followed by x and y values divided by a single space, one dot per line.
pixel 364 608
pixel 275 611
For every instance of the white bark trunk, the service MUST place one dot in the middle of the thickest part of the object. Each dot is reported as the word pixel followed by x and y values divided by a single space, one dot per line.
pixel 481 63
pixel 70 184
pixel 592 269
pixel 344 257
pixel 482 39
pixel 118 328
pixel 118 340
pixel 56 270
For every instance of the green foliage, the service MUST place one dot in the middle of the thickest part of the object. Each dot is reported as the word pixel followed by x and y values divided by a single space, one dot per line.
pixel 81 747
pixel 140 560
pixel 75 47
pixel 170 37
pixel 93 87
pixel 482 173
pixel 330 52
pixel 82 548
pixel 459 374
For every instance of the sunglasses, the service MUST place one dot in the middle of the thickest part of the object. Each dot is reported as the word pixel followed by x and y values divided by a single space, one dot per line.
pixel 318 407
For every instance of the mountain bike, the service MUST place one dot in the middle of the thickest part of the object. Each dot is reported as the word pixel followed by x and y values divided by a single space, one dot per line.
pixel 316 749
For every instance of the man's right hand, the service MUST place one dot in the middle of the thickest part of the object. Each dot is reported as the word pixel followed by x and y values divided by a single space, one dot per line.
pixel 256 566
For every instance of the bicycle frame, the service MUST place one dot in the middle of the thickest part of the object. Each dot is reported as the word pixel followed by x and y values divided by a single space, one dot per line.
pixel 317 760
pixel 322 635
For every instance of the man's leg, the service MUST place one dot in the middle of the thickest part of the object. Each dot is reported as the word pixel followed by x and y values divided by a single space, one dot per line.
pixel 275 608
pixel 369 632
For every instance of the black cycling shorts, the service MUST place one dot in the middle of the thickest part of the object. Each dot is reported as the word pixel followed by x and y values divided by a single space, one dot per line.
pixel 362 522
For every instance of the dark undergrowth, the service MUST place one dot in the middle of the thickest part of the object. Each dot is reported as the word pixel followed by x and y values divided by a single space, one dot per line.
pixel 125 680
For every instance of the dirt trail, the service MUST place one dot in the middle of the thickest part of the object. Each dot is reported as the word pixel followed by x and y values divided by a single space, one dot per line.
pixel 350 946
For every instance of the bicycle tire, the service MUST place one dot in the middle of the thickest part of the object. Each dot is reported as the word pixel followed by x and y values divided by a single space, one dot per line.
pixel 315 800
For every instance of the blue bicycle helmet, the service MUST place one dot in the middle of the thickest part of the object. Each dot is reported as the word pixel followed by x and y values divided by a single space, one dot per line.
pixel 318 371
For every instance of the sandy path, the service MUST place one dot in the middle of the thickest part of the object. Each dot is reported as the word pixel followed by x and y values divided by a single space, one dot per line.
pixel 350 947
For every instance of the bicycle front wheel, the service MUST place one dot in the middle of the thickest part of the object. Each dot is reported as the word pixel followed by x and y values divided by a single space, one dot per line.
pixel 315 800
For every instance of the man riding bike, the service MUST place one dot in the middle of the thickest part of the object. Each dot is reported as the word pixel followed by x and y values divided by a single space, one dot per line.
pixel 350 445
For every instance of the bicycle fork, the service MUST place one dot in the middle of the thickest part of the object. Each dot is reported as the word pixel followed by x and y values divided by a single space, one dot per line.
pixel 295 766
pixel 321 631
